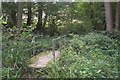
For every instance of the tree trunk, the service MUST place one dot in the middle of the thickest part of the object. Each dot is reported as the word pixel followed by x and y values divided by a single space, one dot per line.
pixel 13 17
pixel 45 19
pixel 117 23
pixel 29 15
pixel 19 17
pixel 93 16
pixel 39 23
pixel 9 20
pixel 108 16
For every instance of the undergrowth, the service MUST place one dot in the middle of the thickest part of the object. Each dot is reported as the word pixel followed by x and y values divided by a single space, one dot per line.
pixel 90 56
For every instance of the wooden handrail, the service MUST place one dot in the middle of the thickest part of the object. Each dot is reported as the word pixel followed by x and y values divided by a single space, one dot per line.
pixel 59 42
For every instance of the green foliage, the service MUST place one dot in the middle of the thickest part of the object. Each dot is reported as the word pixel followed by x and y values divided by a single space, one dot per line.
pixel 10 72
pixel 43 43
pixel 79 28
pixel 90 14
pixel 16 54
pixel 90 56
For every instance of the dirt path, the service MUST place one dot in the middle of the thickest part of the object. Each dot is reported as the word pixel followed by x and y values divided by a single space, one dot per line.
pixel 43 60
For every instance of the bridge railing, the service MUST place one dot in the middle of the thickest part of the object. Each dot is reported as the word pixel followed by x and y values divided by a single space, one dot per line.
pixel 62 40
pixel 58 41
pixel 33 43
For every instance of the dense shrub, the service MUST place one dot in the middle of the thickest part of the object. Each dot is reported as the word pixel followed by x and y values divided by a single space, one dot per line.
pixel 79 28
pixel 16 54
pixel 93 56
pixel 43 44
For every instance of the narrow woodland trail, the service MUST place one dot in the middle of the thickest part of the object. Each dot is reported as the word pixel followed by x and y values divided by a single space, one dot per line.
pixel 43 60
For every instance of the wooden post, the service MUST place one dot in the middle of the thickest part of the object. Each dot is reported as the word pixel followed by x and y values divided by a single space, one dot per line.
pixel 60 45
pixel 33 44
pixel 65 40
pixel 53 48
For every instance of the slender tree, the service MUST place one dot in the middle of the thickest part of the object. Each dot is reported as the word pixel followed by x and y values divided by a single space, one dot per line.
pixel 108 16
pixel 19 17
pixel 117 23
pixel 29 14
pixel 13 17
pixel 39 23
pixel 10 10
pixel 45 18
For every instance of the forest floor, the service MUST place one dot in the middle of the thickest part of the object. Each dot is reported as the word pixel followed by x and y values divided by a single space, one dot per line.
pixel 42 60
